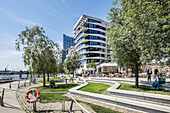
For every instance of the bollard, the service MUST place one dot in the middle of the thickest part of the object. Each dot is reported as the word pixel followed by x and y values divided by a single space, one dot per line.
pixel 19 84
pixel 10 85
pixel 2 97
pixel 34 107
pixel 71 106
pixel 25 83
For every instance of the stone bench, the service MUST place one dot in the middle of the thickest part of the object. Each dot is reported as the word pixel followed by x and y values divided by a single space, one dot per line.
pixel 113 79
pixel 140 95
pixel 161 86
pixel 137 105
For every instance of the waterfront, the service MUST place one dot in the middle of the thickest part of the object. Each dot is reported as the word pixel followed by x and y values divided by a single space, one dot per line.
pixel 13 77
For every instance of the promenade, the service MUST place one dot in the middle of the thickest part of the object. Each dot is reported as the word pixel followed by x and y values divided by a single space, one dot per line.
pixel 11 104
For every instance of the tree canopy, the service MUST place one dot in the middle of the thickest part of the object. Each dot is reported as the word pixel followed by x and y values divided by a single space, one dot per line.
pixel 72 61
pixel 91 64
pixel 139 32
pixel 40 53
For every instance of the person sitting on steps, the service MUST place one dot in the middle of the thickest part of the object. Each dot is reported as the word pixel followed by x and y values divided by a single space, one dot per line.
pixel 162 79
pixel 155 84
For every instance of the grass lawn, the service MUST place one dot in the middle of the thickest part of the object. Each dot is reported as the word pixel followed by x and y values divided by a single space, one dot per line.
pixel 95 87
pixel 55 96
pixel 56 79
pixel 131 87
pixel 100 109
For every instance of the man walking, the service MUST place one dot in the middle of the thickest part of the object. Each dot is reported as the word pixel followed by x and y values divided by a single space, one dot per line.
pixel 155 73
pixel 149 72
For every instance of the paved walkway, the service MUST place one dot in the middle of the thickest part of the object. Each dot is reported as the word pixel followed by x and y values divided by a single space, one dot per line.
pixel 11 104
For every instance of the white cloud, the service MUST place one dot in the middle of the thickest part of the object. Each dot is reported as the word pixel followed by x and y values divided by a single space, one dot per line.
pixel 8 53
pixel 52 12
pixel 60 43
pixel 26 22
pixel 64 3
pixel 7 39
pixel 18 18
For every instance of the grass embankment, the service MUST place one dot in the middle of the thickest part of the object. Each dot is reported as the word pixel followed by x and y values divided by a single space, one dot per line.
pixel 95 87
pixel 56 79
pixel 55 96
pixel 100 109
pixel 99 88
pixel 131 87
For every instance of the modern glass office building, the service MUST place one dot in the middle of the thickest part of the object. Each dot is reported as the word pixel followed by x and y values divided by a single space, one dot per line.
pixel 67 43
pixel 90 39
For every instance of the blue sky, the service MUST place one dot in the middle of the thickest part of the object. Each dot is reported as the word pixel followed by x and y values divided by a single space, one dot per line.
pixel 58 17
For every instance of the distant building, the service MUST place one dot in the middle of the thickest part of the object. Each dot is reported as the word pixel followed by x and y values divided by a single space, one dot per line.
pixel 67 43
pixel 90 39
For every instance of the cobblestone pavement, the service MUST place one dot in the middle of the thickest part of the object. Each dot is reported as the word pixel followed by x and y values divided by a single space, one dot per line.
pixel 12 105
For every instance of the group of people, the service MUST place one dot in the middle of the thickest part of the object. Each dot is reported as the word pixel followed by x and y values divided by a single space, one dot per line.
pixel 159 78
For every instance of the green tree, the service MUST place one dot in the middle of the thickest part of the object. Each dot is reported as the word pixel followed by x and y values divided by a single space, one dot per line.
pixel 40 53
pixel 72 62
pixel 139 32
pixel 91 64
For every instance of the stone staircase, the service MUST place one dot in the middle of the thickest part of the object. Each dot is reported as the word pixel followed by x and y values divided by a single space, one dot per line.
pixel 145 102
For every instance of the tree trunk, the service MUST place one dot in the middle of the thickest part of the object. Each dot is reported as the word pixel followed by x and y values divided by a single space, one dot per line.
pixel 73 74
pixel 136 75
pixel 48 77
pixel 44 80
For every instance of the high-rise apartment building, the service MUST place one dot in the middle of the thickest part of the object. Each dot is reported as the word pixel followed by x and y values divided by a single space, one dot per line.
pixel 67 43
pixel 90 40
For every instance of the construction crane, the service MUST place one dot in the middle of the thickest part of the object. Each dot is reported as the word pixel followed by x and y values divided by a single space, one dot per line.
pixel 6 68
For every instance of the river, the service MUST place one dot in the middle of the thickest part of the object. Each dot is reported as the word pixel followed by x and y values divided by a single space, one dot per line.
pixel 14 77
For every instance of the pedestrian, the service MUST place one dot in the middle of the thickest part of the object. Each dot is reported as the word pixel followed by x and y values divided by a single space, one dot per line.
pixel 162 79
pixel 155 84
pixel 149 72
pixel 155 73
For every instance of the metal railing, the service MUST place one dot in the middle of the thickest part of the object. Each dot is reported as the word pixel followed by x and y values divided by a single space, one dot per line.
pixel 67 105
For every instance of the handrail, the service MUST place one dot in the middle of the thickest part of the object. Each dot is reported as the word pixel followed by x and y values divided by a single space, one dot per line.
pixel 78 103
pixel 26 92
pixel 13 90
pixel 53 92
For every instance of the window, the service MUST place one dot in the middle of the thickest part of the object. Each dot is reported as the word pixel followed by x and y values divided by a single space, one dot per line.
pixel 90 20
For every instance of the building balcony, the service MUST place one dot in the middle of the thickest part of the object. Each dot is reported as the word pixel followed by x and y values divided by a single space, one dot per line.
pixel 83 40
pixel 86 46
pixel 80 36
pixel 86 52
pixel 97 57
pixel 97 24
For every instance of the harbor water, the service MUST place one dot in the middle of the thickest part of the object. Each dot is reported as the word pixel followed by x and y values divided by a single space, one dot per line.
pixel 13 77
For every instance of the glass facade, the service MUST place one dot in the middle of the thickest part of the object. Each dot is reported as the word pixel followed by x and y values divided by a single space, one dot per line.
pixel 67 43
pixel 91 41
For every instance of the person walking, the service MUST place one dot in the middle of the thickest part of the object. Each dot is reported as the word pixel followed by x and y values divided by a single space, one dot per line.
pixel 155 73
pixel 149 72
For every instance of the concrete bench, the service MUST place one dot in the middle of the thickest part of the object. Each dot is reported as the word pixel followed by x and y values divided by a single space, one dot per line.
pixel 140 95
pixel 161 86
pixel 113 79
pixel 137 105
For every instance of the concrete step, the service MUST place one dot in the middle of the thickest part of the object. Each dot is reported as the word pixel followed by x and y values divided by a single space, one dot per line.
pixel 165 99
pixel 129 103
pixel 137 105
